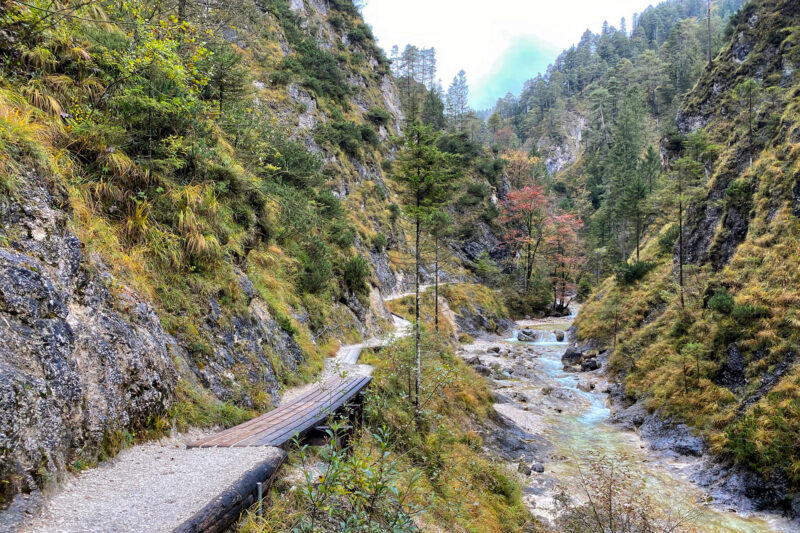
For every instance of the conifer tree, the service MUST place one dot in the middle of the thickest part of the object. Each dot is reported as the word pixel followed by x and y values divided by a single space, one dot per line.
pixel 425 172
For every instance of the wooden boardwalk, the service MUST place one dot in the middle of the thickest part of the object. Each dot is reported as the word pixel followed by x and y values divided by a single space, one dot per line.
pixel 295 418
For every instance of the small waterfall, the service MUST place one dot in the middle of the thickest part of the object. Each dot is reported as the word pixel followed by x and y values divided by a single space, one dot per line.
pixel 540 337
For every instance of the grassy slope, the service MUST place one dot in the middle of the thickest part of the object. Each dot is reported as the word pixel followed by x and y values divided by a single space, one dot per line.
pixel 193 234
pixel 678 358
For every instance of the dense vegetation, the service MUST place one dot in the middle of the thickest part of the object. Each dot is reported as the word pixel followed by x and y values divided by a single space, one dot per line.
pixel 408 468
pixel 705 324
pixel 176 162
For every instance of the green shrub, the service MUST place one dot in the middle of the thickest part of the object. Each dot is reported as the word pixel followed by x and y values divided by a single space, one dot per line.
pixel 666 243
pixel 348 136
pixel 317 268
pixel 329 205
pixel 337 22
pixel 356 273
pixel 747 312
pixel 476 193
pixel 629 273
pixel 487 270
pixel 360 35
pixel 342 235
pixel 285 323
pixel 490 213
pixel 379 242
pixel 394 213
pixel 378 116
pixel 369 135
pixel 737 193
pixel 584 287
pixel 722 302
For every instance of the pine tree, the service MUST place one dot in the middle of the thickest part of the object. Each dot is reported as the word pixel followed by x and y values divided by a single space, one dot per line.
pixel 433 110
pixel 426 173
pixel 458 100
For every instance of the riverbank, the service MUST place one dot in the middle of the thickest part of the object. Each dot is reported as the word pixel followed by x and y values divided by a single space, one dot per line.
pixel 565 416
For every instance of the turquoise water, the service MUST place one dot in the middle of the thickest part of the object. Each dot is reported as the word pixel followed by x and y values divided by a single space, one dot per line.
pixel 582 436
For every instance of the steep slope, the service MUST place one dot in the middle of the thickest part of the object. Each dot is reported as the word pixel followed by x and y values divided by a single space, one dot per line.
pixel 726 361
pixel 192 203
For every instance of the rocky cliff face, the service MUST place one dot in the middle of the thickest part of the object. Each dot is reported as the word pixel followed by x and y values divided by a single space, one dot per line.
pixel 82 359
pixel 737 326
pixel 88 359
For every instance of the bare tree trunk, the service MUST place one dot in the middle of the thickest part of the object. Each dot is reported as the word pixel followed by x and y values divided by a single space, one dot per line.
pixel 709 33
pixel 680 242
pixel 417 334
pixel 436 285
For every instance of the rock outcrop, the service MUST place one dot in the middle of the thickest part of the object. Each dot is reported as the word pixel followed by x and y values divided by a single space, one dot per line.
pixel 83 361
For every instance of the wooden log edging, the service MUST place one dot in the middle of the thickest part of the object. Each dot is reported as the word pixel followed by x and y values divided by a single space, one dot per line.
pixel 218 515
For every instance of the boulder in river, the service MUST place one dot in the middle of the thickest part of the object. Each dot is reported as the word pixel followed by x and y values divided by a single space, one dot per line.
pixel 527 335
pixel 572 356
pixel 559 335
pixel 590 364
pixel 474 361
pixel 482 370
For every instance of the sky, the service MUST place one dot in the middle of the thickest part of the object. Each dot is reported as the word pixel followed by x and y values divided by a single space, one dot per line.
pixel 499 43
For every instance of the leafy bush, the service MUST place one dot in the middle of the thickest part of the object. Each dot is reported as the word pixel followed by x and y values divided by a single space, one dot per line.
pixel 486 269
pixel 738 193
pixel 629 273
pixel 318 70
pixel 490 167
pixel 356 273
pixel 342 235
pixel 666 243
pixel 524 303
pixel 476 192
pixel 337 22
pixel 378 116
pixel 369 135
pixel 722 301
pixel 459 144
pixel 317 268
pixel 379 242
pixel 584 287
pixel 348 136
pixel 360 35
pixel 490 213
pixel 329 205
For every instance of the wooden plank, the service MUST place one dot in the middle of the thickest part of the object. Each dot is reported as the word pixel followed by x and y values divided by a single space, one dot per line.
pixel 304 421
pixel 282 410
pixel 297 411
pixel 281 436
pixel 278 426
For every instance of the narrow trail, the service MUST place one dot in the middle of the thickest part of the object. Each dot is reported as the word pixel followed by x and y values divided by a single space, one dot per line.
pixel 158 486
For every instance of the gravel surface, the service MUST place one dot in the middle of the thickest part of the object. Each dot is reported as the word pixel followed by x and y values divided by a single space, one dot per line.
pixel 155 487
pixel 148 488
pixel 345 364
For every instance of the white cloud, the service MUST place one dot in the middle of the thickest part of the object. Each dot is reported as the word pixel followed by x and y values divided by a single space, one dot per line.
pixel 475 35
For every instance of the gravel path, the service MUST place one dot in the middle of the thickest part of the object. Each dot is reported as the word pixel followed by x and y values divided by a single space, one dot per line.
pixel 153 487
pixel 345 364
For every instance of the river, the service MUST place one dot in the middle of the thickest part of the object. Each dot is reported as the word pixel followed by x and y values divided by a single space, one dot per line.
pixel 540 397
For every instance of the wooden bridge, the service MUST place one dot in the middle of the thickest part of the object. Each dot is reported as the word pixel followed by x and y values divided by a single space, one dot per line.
pixel 292 419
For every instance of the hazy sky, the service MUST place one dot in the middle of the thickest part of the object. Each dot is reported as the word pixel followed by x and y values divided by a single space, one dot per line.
pixel 499 43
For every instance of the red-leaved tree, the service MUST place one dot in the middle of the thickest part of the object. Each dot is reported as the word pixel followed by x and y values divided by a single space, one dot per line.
pixel 525 214
pixel 563 256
